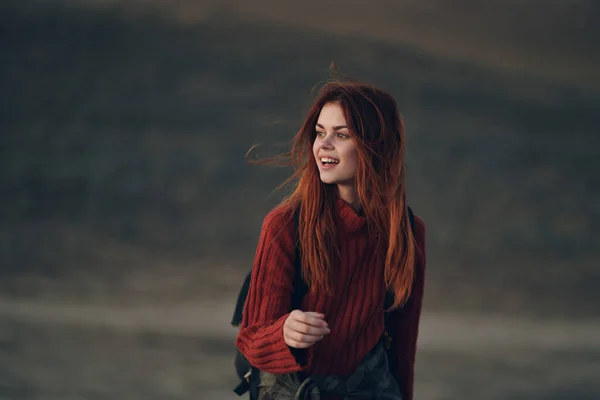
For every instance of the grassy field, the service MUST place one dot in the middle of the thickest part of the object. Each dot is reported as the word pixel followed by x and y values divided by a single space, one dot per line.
pixel 72 351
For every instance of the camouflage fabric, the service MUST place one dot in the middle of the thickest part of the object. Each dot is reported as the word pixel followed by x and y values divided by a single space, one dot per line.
pixel 371 380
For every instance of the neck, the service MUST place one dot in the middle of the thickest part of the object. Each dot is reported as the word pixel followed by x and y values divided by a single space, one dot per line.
pixel 348 194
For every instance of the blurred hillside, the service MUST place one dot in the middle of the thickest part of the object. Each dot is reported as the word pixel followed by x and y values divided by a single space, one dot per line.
pixel 124 132
pixel 552 38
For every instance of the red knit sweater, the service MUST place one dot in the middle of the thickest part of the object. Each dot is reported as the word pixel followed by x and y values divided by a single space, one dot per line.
pixel 354 312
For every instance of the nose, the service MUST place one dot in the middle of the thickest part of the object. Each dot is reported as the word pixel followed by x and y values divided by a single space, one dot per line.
pixel 326 143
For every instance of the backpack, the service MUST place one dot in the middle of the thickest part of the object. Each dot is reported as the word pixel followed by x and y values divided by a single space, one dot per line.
pixel 249 375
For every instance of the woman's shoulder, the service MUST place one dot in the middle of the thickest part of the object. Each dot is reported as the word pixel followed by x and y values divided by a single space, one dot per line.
pixel 419 223
pixel 419 233
pixel 279 218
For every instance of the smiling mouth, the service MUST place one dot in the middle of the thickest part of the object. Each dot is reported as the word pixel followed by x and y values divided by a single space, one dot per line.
pixel 329 162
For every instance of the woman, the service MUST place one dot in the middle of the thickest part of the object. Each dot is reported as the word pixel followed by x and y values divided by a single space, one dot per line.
pixel 356 243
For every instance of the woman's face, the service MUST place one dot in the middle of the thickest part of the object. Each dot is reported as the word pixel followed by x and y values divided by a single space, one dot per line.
pixel 334 149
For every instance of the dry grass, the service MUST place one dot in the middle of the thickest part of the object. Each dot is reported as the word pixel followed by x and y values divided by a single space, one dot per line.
pixel 90 361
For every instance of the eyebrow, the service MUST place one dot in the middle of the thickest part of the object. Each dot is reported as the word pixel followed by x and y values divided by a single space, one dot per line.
pixel 335 128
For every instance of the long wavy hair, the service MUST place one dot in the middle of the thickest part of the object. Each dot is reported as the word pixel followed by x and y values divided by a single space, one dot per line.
pixel 377 130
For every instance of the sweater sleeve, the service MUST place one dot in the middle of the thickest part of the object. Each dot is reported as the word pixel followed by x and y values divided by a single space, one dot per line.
pixel 260 338
pixel 405 321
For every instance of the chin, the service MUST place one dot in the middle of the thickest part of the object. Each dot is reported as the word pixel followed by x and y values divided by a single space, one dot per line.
pixel 328 180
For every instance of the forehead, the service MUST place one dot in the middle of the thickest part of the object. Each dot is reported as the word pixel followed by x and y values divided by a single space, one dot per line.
pixel 332 114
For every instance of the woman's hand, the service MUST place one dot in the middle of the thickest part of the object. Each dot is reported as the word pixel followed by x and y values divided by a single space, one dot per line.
pixel 303 329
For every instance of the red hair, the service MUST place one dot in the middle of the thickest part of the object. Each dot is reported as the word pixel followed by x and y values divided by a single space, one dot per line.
pixel 377 130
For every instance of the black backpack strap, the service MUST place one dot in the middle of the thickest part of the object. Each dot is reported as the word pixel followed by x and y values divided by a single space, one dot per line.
pixel 253 382
pixel 299 285
pixel 241 300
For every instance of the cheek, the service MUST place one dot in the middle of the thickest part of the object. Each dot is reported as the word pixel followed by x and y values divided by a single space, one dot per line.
pixel 352 159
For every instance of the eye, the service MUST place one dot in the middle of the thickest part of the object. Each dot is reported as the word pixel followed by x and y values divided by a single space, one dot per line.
pixel 343 135
pixel 317 133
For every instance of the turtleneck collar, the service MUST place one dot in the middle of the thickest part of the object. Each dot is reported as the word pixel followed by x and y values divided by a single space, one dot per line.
pixel 348 219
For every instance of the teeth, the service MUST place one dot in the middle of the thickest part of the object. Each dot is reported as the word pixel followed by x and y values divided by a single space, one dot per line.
pixel 329 160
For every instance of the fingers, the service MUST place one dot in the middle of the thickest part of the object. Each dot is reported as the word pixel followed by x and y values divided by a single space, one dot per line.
pixel 309 323
pixel 299 340
pixel 308 330
pixel 303 329
pixel 303 338
pixel 309 318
